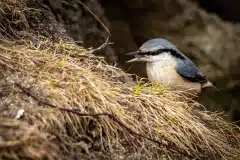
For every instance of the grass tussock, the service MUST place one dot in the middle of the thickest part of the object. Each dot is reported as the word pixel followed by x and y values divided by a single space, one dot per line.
pixel 14 15
pixel 18 139
pixel 27 19
pixel 139 120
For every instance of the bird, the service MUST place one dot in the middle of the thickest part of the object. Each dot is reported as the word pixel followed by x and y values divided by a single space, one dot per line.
pixel 168 66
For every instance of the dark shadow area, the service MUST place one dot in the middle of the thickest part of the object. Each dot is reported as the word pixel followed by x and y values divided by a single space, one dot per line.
pixel 225 9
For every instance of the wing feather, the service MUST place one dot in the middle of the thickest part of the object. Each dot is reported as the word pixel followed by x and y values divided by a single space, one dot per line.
pixel 188 70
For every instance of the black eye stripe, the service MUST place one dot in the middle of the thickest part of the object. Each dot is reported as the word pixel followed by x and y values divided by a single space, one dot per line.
pixel 175 53
pixel 149 53
pixel 171 51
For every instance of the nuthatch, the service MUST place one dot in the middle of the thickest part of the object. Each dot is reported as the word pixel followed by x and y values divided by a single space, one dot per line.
pixel 167 66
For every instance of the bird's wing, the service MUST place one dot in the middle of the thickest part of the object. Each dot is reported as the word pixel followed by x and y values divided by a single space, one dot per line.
pixel 188 70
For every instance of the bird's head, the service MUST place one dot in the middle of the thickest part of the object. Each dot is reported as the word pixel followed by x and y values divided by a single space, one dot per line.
pixel 152 50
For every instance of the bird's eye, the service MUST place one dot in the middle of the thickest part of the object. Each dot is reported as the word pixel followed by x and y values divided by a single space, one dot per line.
pixel 155 53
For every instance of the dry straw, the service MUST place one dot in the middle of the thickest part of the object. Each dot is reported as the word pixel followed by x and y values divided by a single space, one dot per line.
pixel 74 105
pixel 139 119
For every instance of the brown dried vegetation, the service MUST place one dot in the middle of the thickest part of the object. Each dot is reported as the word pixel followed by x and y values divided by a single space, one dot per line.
pixel 77 106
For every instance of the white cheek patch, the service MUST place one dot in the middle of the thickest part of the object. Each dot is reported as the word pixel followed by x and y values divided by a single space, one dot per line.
pixel 148 58
pixel 162 57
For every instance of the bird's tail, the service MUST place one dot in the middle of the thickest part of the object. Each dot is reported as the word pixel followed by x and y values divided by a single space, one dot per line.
pixel 209 84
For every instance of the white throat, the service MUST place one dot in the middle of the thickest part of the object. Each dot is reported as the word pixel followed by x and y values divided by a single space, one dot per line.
pixel 161 68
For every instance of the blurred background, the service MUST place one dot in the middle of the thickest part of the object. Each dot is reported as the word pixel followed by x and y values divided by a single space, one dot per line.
pixel 206 31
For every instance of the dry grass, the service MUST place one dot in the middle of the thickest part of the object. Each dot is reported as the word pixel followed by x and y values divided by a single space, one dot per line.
pixel 49 80
pixel 13 18
pixel 27 19
pixel 67 76
pixel 20 140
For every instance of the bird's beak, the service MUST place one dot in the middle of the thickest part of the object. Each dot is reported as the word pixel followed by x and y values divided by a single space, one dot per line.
pixel 133 54
pixel 133 60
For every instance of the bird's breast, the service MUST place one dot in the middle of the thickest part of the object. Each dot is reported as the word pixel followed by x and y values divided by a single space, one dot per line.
pixel 163 72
